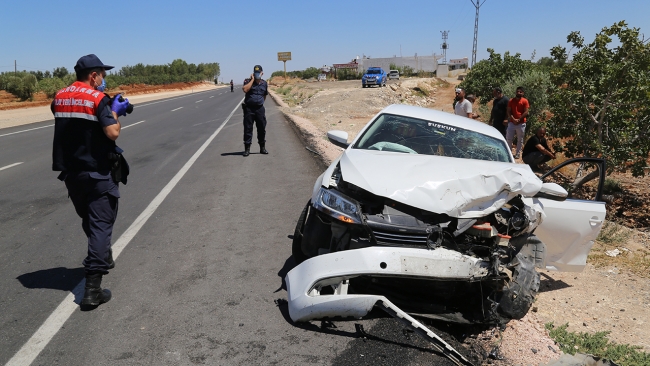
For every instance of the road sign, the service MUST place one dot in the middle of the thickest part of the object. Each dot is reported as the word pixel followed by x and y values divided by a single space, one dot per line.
pixel 284 56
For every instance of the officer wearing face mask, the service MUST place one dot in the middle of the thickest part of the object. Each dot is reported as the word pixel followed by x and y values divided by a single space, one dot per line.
pixel 86 126
pixel 256 91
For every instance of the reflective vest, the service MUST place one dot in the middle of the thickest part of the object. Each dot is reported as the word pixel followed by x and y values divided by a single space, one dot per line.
pixel 80 143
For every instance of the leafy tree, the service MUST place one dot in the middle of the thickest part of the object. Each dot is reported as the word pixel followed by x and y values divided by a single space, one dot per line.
pixel 601 106
pixel 310 72
pixel 47 74
pixel 50 86
pixel 494 71
pixel 60 72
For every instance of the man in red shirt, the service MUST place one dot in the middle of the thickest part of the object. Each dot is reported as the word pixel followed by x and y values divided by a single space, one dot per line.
pixel 517 112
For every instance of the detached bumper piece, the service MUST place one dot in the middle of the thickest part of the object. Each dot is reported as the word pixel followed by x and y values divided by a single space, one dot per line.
pixel 318 287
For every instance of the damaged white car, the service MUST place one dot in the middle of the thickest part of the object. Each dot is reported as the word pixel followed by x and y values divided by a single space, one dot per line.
pixel 427 212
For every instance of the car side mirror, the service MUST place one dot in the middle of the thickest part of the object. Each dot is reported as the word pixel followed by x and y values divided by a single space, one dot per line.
pixel 338 138
pixel 552 191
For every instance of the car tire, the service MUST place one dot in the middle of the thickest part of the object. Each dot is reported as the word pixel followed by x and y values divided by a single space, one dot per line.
pixel 296 244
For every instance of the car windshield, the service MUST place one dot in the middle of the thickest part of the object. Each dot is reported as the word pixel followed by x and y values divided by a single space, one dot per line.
pixel 416 136
pixel 373 72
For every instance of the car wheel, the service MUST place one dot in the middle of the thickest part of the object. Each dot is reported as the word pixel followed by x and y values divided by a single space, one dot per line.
pixel 296 244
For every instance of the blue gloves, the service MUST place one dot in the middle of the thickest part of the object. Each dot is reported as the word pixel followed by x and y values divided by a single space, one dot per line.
pixel 119 107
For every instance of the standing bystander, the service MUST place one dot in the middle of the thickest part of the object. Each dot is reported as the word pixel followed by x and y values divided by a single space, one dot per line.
pixel 463 106
pixel 517 112
pixel 499 117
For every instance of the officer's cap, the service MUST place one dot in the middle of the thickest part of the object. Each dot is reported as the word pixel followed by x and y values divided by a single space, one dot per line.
pixel 257 70
pixel 90 62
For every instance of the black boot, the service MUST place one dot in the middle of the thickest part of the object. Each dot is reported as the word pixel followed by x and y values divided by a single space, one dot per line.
pixel 263 149
pixel 94 294
pixel 111 262
pixel 247 149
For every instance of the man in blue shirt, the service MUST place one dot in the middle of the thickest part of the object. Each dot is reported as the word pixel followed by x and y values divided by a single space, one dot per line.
pixel 256 91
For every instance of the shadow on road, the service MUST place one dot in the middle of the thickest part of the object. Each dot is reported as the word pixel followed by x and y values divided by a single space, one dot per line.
pixel 59 278
pixel 289 264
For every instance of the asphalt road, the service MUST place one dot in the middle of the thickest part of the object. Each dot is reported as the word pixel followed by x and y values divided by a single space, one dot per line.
pixel 201 281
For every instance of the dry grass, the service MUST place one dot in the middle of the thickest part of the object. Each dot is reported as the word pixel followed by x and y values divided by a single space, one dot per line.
pixel 634 258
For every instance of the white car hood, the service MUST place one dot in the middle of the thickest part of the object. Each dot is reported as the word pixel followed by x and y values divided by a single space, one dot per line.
pixel 461 188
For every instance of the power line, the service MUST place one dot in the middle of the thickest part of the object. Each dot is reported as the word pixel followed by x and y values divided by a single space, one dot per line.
pixel 477 5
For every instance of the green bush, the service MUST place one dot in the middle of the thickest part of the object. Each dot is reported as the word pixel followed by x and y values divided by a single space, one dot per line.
pixel 50 86
pixel 23 85
pixel 612 186
pixel 597 344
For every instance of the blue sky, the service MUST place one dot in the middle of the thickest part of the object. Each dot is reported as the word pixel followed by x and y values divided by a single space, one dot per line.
pixel 42 35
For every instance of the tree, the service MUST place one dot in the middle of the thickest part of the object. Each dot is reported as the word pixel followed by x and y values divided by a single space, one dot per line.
pixel 60 72
pixel 495 71
pixel 601 104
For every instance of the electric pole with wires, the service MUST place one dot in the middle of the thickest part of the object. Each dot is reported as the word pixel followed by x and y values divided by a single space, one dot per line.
pixel 477 4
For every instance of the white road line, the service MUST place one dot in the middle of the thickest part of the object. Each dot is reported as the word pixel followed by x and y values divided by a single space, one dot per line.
pixel 30 350
pixel 199 101
pixel 31 129
pixel 132 124
pixel 176 109
pixel 168 99
pixel 212 96
pixel 11 165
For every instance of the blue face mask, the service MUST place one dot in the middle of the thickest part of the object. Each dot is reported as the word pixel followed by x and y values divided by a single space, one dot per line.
pixel 102 87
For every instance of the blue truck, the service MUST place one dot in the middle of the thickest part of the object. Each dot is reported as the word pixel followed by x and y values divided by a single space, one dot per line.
pixel 374 76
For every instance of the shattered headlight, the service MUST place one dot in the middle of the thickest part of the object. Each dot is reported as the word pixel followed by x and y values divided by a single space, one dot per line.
pixel 338 205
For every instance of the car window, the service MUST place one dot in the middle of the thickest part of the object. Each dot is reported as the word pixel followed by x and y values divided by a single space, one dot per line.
pixel 416 136
pixel 373 72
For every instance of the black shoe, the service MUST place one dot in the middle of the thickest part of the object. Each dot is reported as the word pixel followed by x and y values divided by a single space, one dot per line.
pixel 263 149
pixel 94 295
pixel 111 262
pixel 247 149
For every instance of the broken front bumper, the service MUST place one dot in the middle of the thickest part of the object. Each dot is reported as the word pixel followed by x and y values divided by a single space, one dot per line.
pixel 306 281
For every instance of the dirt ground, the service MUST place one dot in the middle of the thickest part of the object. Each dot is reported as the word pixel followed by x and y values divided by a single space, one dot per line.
pixel 606 296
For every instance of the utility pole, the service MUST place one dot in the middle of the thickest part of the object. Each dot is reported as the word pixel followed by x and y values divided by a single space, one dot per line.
pixel 15 69
pixel 444 46
pixel 477 4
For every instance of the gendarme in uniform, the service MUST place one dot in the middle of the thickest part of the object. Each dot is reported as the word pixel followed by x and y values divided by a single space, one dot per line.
pixel 256 90
pixel 85 129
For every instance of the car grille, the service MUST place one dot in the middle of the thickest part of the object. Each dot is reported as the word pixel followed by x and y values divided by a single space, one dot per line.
pixel 399 238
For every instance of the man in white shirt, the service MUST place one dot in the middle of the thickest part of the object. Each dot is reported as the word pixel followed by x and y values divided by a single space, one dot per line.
pixel 463 106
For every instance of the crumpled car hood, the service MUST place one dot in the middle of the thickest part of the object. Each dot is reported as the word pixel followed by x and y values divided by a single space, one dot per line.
pixel 461 188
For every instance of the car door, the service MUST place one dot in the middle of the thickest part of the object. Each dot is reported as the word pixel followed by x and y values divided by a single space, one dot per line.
pixel 572 225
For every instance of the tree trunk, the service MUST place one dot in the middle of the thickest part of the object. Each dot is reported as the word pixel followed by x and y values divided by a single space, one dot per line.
pixel 580 181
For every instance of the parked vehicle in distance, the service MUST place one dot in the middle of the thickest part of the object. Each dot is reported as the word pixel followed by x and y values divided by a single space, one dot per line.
pixel 374 76
pixel 393 74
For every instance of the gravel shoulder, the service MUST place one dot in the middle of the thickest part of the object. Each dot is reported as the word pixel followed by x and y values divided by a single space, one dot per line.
pixel 604 298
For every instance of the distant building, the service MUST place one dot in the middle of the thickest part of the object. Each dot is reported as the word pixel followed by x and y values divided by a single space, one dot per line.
pixel 458 63
pixel 416 63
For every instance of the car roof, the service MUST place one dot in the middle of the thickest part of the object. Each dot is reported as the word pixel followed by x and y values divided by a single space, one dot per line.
pixel 443 117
